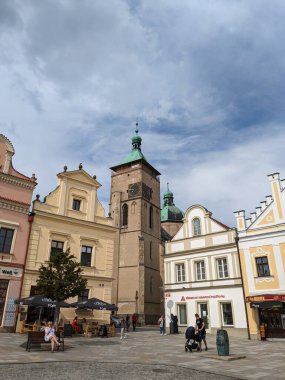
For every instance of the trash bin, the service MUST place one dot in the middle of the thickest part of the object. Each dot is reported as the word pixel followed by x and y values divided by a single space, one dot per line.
pixel 222 341
pixel 67 329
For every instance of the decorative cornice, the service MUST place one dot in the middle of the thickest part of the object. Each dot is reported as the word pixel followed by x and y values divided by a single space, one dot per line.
pixel 29 184
pixel 14 205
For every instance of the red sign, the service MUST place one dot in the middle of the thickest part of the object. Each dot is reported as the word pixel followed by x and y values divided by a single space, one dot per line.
pixel 266 297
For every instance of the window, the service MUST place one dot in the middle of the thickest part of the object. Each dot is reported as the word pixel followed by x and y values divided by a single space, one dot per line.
pixel 6 238
pixel 200 270
pixel 86 254
pixel 196 227
pixel 222 268
pixel 227 314
pixel 125 215
pixel 76 204
pixel 84 295
pixel 150 250
pixel 182 315
pixel 262 266
pixel 180 273
pixel 150 217
pixel 56 247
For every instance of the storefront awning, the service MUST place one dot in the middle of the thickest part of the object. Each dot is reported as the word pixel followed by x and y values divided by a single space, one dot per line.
pixel 266 305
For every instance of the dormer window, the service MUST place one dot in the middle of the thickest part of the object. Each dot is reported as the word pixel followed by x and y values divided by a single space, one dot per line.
pixel 76 204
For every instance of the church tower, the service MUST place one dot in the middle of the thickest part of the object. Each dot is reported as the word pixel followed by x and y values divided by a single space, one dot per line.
pixel 135 209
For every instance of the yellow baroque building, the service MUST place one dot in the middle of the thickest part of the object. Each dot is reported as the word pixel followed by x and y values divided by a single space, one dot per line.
pixel 71 217
pixel 262 253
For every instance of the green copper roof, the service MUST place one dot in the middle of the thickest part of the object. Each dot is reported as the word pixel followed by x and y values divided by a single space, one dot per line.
pixel 136 153
pixel 169 212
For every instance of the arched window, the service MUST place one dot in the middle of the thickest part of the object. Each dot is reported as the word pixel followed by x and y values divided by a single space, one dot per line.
pixel 196 226
pixel 150 217
pixel 125 215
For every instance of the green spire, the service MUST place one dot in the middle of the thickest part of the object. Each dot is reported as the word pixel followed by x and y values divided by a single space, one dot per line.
pixel 136 153
pixel 169 212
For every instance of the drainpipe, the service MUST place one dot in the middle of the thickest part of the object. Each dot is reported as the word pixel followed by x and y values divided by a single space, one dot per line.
pixel 242 284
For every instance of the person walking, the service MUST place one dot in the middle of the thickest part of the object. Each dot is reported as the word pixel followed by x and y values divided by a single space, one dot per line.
pixel 134 321
pixel 127 322
pixel 201 329
pixel 123 328
pixel 161 323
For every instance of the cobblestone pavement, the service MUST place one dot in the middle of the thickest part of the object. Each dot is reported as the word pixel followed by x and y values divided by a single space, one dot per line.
pixel 101 371
pixel 145 354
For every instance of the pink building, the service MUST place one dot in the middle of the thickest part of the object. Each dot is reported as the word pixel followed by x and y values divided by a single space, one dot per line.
pixel 15 197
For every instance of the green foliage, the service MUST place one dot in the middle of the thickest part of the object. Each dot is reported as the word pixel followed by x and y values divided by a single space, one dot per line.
pixel 61 278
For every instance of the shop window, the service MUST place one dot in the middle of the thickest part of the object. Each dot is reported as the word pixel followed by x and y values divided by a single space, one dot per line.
pixel 180 272
pixel 125 212
pixel 222 268
pixel 76 204
pixel 182 314
pixel 262 266
pixel 6 239
pixel 200 270
pixel 83 296
pixel 227 314
pixel 86 256
pixel 196 227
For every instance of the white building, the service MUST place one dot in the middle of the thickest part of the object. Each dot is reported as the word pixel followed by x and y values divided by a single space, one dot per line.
pixel 202 275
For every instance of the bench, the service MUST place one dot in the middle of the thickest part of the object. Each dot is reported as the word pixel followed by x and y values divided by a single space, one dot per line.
pixel 38 338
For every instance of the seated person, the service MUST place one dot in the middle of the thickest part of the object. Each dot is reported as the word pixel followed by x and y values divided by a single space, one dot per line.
pixel 75 326
pixel 50 335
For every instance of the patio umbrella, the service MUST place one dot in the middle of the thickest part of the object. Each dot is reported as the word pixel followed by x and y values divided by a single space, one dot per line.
pixel 41 301
pixel 94 303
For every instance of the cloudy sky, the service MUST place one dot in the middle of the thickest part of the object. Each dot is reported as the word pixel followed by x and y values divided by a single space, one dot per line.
pixel 203 78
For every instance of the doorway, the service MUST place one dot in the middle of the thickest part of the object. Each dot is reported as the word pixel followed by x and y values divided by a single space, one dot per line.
pixel 3 292
pixel 274 321
pixel 203 312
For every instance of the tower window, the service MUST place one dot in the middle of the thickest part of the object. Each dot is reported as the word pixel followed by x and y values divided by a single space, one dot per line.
pixel 150 217
pixel 125 212
pixel 150 250
pixel 76 204
pixel 196 227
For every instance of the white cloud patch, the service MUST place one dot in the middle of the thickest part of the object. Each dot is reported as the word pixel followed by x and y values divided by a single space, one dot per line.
pixel 204 80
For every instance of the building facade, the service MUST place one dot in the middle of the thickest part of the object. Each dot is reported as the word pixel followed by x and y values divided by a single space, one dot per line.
pixel 135 210
pixel 15 197
pixel 71 217
pixel 262 252
pixel 202 275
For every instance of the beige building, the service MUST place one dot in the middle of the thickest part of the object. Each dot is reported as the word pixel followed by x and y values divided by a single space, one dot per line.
pixel 135 210
pixel 202 275
pixel 71 216
pixel 262 252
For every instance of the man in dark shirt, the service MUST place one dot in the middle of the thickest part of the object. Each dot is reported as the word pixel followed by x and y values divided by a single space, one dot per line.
pixel 201 328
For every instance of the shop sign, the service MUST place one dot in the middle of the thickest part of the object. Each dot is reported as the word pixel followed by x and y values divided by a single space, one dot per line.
pixel 183 298
pixel 266 297
pixel 12 272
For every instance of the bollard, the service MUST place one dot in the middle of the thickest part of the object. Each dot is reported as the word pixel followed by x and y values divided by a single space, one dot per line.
pixel 222 341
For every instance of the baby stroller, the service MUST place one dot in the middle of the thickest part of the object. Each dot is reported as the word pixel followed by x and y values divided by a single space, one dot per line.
pixel 192 340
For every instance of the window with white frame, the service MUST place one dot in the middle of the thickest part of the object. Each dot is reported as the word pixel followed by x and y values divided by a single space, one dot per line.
pixel 262 266
pixel 222 267
pixel 227 314
pixel 200 270
pixel 6 239
pixel 182 314
pixel 180 272
pixel 196 226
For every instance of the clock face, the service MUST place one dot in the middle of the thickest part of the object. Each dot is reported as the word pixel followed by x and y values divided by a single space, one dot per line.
pixel 134 189
pixel 146 191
